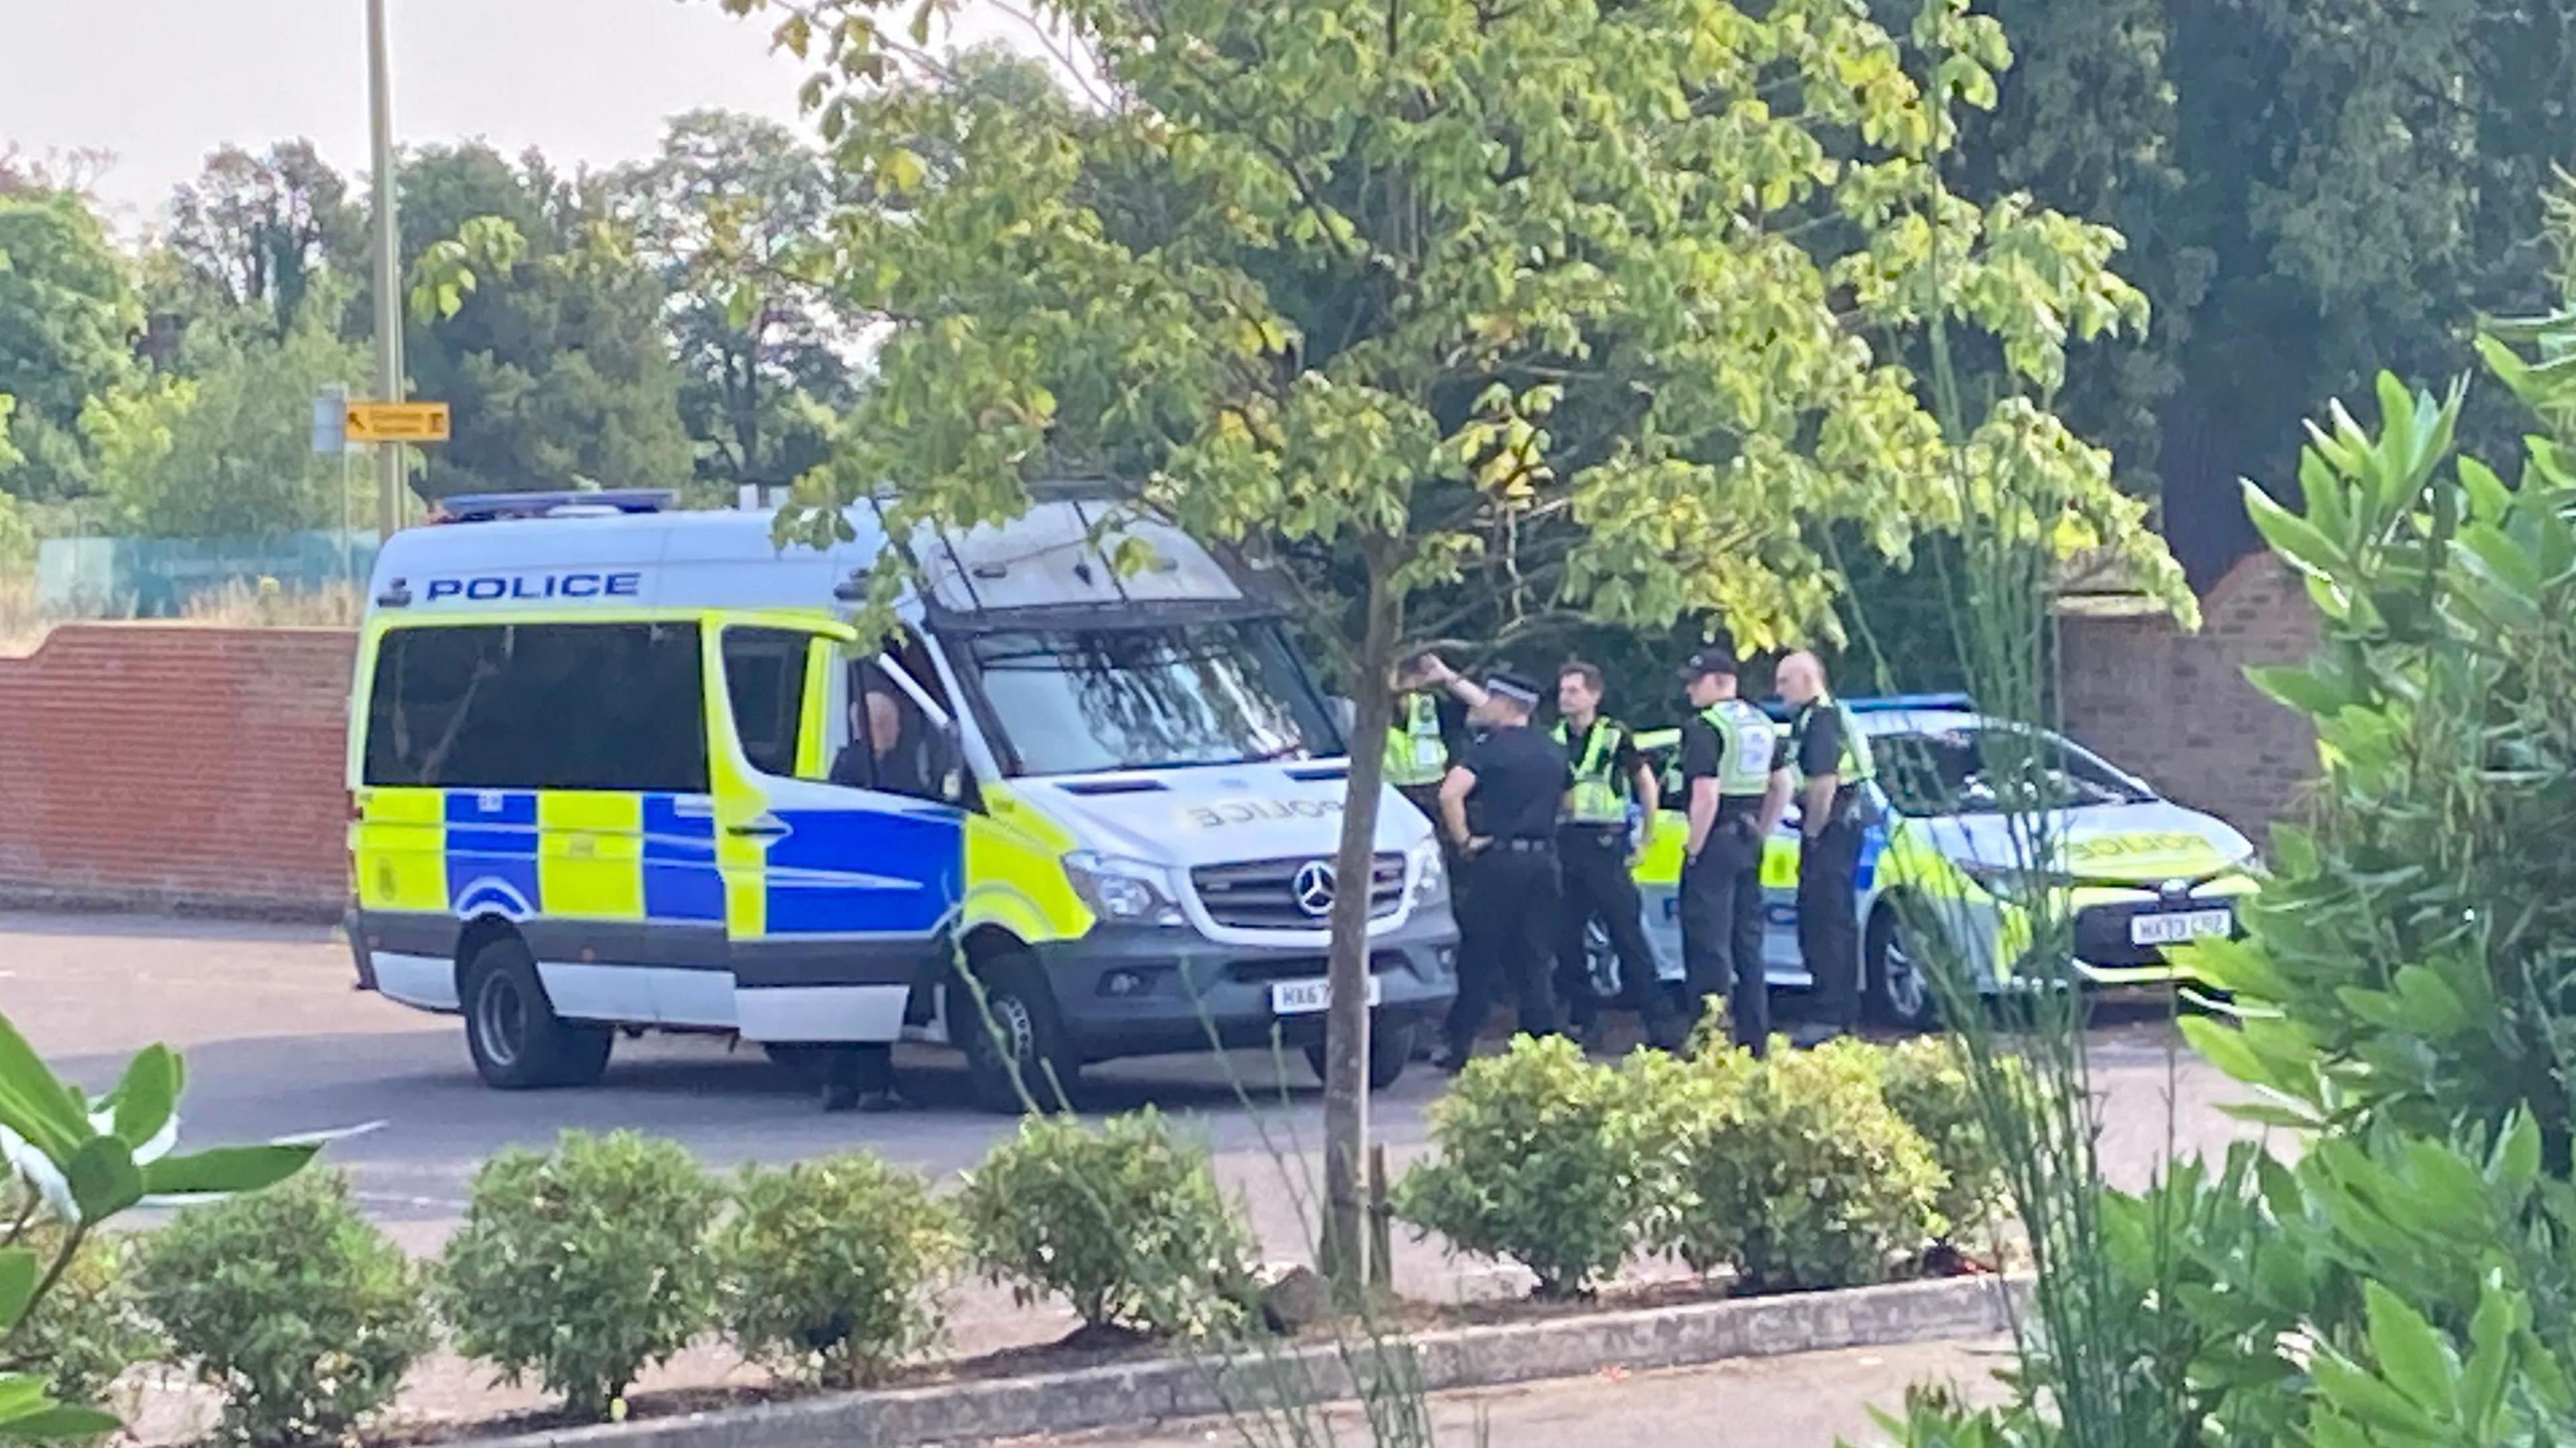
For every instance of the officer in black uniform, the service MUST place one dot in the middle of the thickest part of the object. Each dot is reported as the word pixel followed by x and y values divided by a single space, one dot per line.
pixel 1832 758
pixel 1738 788
pixel 1499 808
pixel 1596 859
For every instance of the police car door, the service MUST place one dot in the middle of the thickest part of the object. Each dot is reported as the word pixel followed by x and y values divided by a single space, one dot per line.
pixel 838 894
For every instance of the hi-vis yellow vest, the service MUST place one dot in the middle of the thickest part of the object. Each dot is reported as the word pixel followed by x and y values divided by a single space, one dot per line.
pixel 1415 752
pixel 1854 765
pixel 1599 796
pixel 1747 743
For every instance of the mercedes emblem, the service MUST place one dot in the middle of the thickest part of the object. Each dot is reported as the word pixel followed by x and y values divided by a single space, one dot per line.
pixel 1313 887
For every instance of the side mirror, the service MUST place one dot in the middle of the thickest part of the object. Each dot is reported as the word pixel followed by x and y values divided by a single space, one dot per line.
pixel 1346 715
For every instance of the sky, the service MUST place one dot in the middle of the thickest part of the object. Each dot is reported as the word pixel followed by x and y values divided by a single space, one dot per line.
pixel 162 82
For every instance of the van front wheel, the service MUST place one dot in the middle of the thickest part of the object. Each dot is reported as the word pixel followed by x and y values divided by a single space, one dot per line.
pixel 1390 1051
pixel 1013 1039
pixel 511 1029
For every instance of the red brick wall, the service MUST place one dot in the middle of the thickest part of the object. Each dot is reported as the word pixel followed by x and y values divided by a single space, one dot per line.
pixel 2176 707
pixel 179 765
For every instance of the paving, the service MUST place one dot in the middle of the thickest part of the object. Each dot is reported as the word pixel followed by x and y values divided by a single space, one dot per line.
pixel 277 1041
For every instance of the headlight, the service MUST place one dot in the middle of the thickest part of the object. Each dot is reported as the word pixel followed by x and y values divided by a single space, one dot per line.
pixel 2009 883
pixel 1430 873
pixel 1130 891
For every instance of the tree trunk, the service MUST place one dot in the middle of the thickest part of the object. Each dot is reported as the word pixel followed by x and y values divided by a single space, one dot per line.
pixel 1344 1249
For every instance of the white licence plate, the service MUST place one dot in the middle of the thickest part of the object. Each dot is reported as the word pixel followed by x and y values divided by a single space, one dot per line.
pixel 2179 926
pixel 1306 997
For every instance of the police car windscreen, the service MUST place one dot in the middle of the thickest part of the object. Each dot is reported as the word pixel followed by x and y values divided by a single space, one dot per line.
pixel 1971 771
pixel 1076 701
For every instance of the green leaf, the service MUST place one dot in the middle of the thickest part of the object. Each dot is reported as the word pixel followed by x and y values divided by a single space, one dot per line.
pixel 2302 689
pixel 146 1094
pixel 61 1424
pixel 225 1169
pixel 2292 536
pixel 2411 1355
pixel 33 1102
pixel 18 1273
pixel 103 1178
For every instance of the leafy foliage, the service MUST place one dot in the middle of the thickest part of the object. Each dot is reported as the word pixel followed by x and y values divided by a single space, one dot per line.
pixel 92 1326
pixel 297 1309
pixel 1540 1161
pixel 1123 1220
pixel 582 1266
pixel 67 317
pixel 1926 1082
pixel 833 1268
pixel 73 1163
pixel 1791 1169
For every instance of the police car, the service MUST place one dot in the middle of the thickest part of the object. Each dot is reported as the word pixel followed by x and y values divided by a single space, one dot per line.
pixel 614 766
pixel 2138 872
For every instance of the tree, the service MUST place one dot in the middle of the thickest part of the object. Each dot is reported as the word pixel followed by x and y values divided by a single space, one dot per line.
pixel 221 445
pixel 554 360
pixel 67 317
pixel 1402 279
pixel 257 230
pixel 735 215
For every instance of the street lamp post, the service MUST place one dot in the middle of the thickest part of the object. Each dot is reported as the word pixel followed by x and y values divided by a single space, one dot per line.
pixel 389 342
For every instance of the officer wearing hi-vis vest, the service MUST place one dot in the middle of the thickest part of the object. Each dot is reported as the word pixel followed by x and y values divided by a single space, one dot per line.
pixel 1739 788
pixel 1594 855
pixel 1835 806
pixel 1417 740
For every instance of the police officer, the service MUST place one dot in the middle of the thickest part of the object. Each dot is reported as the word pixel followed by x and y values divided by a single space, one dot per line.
pixel 1498 808
pixel 1417 747
pixel 1832 759
pixel 1738 791
pixel 1594 858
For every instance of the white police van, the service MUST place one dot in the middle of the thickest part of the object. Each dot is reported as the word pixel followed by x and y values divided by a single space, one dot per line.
pixel 614 765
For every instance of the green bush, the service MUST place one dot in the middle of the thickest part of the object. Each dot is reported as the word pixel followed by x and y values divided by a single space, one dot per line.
pixel 1125 1221
pixel 583 1266
pixel 1927 1082
pixel 92 1326
pixel 298 1310
pixel 832 1268
pixel 1539 1161
pixel 1793 1170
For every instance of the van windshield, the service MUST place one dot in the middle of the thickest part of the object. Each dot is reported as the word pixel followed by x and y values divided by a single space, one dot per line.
pixel 1075 701
pixel 1957 771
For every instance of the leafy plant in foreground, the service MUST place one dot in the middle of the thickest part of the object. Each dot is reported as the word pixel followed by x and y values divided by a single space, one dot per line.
pixel 833 1268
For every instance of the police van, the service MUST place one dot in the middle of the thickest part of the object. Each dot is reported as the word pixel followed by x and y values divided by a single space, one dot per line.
pixel 2133 873
pixel 617 766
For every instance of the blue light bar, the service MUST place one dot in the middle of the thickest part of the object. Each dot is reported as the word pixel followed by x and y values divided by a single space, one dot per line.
pixel 486 507
pixel 1882 704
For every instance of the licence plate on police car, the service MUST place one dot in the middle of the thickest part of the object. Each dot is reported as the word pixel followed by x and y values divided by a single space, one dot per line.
pixel 1306 997
pixel 2178 926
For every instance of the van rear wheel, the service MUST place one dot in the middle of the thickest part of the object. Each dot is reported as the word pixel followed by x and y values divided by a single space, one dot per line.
pixel 1013 1038
pixel 511 1029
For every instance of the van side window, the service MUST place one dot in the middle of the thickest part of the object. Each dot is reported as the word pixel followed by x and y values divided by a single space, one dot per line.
pixel 765 677
pixel 608 706
pixel 893 746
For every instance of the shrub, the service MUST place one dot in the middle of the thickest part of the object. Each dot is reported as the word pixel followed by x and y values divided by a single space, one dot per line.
pixel 583 1266
pixel 92 1326
pixel 832 1267
pixel 296 1308
pixel 1927 1083
pixel 1793 1170
pixel 1540 1161
pixel 1125 1221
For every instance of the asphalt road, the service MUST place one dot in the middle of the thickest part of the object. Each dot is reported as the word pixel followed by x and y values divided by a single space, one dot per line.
pixel 278 1041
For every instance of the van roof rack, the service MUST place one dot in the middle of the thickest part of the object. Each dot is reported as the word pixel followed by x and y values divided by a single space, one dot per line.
pixel 486 507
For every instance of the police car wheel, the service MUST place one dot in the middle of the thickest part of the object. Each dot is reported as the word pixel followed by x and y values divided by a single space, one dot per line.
pixel 1390 1051
pixel 517 1041
pixel 1011 1042
pixel 1900 994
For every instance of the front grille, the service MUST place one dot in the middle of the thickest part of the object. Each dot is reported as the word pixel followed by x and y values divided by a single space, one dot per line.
pixel 1262 894
pixel 2102 931
pixel 1302 967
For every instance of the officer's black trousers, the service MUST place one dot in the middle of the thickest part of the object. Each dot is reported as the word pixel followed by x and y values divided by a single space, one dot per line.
pixel 1828 929
pixel 1722 929
pixel 1506 942
pixel 1593 862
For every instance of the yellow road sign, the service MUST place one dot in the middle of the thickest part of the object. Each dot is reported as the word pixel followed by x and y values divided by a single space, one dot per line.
pixel 397 422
